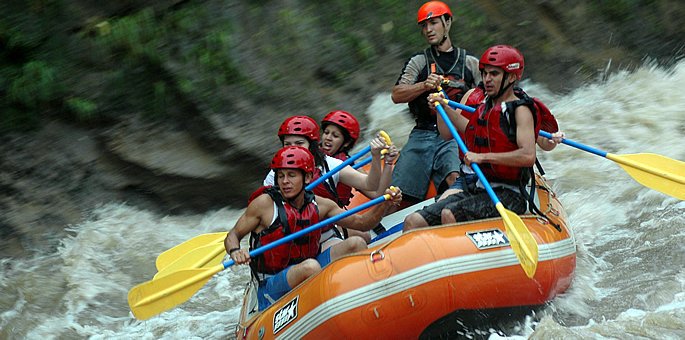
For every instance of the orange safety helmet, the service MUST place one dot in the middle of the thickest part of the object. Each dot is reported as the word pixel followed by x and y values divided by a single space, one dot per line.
pixel 300 126
pixel 293 157
pixel 505 57
pixel 432 9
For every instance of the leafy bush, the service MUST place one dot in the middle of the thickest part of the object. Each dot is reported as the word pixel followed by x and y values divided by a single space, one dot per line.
pixel 83 109
pixel 35 85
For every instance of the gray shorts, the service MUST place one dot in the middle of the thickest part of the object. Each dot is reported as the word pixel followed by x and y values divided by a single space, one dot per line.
pixel 426 157
pixel 469 206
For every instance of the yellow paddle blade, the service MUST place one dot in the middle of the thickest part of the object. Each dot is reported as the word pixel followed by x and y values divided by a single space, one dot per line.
pixel 201 257
pixel 170 256
pixel 156 296
pixel 660 173
pixel 522 242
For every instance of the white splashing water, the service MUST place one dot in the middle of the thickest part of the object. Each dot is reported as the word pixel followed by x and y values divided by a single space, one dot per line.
pixel 630 276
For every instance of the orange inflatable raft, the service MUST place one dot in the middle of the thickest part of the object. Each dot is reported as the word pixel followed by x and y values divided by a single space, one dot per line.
pixel 407 281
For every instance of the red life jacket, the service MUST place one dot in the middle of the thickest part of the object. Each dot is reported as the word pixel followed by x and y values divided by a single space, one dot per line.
pixel 288 220
pixel 321 190
pixel 453 86
pixel 475 98
pixel 548 121
pixel 257 193
pixel 342 193
pixel 495 131
pixel 325 188
pixel 344 190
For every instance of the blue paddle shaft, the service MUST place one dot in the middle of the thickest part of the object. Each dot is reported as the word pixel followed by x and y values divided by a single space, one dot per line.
pixel 363 162
pixel 542 133
pixel 456 105
pixel 545 134
pixel 576 145
pixel 463 149
pixel 335 170
pixel 311 228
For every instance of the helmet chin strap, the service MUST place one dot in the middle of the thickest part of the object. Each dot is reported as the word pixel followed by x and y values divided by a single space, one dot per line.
pixel 503 87
pixel 447 31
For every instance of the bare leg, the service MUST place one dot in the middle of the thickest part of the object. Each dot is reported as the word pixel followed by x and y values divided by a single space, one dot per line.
pixel 363 234
pixel 330 242
pixel 447 217
pixel 302 271
pixel 449 192
pixel 351 245
pixel 451 178
pixel 413 221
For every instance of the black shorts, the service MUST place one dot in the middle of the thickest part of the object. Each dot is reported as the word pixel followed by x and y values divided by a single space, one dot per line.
pixel 469 206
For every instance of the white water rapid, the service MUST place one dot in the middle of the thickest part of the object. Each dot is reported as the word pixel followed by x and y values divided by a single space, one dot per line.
pixel 630 276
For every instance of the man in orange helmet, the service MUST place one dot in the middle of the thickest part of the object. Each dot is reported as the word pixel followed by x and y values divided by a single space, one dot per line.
pixel 426 156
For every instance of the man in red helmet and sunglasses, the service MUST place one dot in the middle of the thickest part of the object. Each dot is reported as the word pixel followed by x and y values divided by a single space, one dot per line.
pixel 426 156
pixel 287 208
pixel 500 137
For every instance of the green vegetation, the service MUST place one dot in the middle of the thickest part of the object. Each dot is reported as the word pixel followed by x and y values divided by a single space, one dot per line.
pixel 29 69
pixel 91 64
pixel 34 85
pixel 140 63
pixel 74 65
pixel 83 109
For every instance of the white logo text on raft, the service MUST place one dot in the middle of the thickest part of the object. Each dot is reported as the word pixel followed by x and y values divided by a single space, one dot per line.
pixel 285 315
pixel 491 238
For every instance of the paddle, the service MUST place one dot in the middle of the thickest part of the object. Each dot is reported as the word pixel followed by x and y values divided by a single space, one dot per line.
pixel 367 160
pixel 651 170
pixel 207 249
pixel 363 162
pixel 522 242
pixel 205 255
pixel 171 255
pixel 349 161
pixel 457 105
pixel 153 297
pixel 654 171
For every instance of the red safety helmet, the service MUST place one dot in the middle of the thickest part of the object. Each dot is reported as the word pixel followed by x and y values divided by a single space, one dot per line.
pixel 432 9
pixel 504 56
pixel 300 126
pixel 345 120
pixel 293 157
